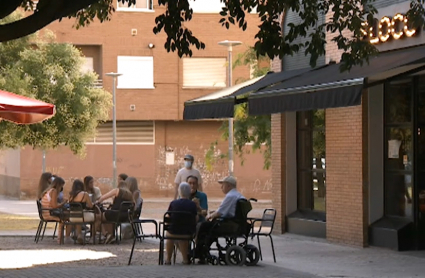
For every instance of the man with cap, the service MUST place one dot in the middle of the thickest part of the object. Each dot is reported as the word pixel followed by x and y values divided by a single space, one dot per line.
pixel 185 172
pixel 226 210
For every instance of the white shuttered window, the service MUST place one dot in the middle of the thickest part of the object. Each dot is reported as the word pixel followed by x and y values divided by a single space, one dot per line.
pixel 128 132
pixel 141 5
pixel 204 72
pixel 137 72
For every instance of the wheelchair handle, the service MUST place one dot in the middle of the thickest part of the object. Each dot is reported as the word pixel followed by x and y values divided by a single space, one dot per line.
pixel 253 199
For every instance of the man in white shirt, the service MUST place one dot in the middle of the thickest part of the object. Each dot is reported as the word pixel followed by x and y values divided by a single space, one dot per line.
pixel 185 172
pixel 226 210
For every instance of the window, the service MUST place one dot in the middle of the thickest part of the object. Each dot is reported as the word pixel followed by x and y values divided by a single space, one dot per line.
pixel 206 6
pixel 137 72
pixel 87 66
pixel 204 72
pixel 398 154
pixel 141 5
pixel 128 132
pixel 311 160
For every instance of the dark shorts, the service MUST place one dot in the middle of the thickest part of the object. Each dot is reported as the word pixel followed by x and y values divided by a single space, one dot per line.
pixel 111 215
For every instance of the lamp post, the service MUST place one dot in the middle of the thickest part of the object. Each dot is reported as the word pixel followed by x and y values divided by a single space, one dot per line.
pixel 114 75
pixel 229 45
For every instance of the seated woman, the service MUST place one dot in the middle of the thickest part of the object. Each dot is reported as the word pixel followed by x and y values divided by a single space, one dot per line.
pixel 137 196
pixel 49 201
pixel 120 194
pixel 44 183
pixel 78 195
pixel 93 191
pixel 184 204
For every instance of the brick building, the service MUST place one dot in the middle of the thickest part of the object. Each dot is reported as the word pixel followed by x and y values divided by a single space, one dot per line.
pixel 152 138
pixel 347 148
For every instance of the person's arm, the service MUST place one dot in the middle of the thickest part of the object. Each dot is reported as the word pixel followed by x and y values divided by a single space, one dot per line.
pixel 110 194
pixel 222 209
pixel 87 200
pixel 200 182
pixel 54 200
pixel 97 193
pixel 204 205
pixel 177 183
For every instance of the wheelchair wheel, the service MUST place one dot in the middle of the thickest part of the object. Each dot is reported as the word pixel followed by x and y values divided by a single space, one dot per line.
pixel 235 255
pixel 252 255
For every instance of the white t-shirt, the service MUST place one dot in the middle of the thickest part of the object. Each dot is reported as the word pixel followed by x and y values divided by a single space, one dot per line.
pixel 183 173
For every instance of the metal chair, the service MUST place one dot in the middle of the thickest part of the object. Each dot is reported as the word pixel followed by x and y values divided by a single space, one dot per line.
pixel 126 208
pixel 177 220
pixel 43 222
pixel 76 215
pixel 265 229
pixel 136 225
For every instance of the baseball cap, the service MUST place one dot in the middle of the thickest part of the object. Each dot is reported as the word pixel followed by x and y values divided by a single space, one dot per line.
pixel 229 179
pixel 188 157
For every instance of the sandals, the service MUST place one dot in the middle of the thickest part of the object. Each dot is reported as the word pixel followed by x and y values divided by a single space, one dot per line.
pixel 167 263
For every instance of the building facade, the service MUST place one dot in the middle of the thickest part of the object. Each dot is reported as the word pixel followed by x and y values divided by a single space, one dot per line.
pixel 355 175
pixel 151 136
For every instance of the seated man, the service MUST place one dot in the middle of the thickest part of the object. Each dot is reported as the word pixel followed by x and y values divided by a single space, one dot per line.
pixel 200 198
pixel 226 210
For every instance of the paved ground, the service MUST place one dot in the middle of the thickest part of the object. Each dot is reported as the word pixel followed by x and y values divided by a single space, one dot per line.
pixel 297 256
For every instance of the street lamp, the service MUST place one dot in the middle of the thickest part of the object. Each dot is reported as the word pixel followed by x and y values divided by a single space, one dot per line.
pixel 229 45
pixel 114 75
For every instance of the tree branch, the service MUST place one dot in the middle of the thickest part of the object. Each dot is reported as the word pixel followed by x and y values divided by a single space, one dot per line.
pixel 8 7
pixel 48 13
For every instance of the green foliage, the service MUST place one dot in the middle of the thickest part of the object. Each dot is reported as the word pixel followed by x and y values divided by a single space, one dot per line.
pixel 50 71
pixel 345 23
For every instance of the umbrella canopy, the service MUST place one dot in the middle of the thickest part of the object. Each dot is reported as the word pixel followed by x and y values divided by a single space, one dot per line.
pixel 24 110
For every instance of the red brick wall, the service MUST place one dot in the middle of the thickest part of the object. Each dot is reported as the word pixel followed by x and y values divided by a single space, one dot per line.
pixel 114 38
pixel 346 205
pixel 147 162
pixel 279 170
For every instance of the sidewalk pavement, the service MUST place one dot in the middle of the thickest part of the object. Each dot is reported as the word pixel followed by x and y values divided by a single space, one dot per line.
pixel 297 256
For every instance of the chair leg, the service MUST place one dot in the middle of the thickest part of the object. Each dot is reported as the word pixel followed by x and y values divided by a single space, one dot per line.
pixel 160 252
pixel 271 241
pixel 259 247
pixel 174 254
pixel 45 225
pixel 37 234
pixel 54 232
pixel 132 249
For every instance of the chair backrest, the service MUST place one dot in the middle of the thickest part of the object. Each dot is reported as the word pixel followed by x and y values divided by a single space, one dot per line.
pixel 268 219
pixel 76 211
pixel 138 208
pixel 243 207
pixel 40 210
pixel 126 208
pixel 179 222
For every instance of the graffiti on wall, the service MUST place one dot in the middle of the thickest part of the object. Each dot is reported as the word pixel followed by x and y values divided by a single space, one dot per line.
pixel 166 173
pixel 262 187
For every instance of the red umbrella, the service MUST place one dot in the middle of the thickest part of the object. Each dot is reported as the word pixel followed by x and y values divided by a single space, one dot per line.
pixel 24 110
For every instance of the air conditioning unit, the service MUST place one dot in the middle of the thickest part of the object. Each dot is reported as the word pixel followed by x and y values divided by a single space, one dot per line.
pixel 133 32
pixel 132 107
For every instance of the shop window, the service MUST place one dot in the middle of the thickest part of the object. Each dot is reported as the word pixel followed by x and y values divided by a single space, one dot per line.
pixel 398 154
pixel 128 132
pixel 137 72
pixel 140 5
pixel 204 72
pixel 311 161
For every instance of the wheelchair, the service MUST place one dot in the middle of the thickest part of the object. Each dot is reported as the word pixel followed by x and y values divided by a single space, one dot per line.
pixel 232 252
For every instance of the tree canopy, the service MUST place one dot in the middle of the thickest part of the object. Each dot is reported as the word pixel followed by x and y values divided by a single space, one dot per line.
pixel 43 69
pixel 346 22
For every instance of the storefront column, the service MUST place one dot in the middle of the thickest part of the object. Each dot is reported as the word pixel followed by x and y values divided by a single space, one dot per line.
pixel 346 167
pixel 279 169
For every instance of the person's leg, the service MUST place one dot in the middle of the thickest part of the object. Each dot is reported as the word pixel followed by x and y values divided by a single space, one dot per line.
pixel 169 249
pixel 204 230
pixel 184 249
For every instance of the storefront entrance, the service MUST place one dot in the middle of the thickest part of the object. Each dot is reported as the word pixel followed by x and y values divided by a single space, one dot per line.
pixel 404 160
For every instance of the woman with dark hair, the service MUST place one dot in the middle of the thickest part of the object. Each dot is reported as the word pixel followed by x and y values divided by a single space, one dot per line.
pixel 120 194
pixel 44 184
pixel 78 195
pixel 137 196
pixel 49 201
pixel 93 191
pixel 122 177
